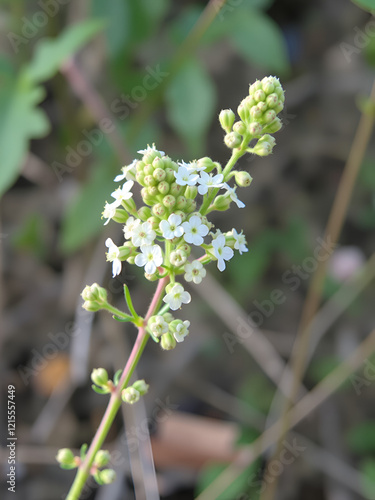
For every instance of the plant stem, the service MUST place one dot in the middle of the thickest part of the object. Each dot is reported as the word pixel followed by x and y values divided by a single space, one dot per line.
pixel 114 404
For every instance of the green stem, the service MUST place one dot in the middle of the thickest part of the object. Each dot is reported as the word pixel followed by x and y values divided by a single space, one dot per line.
pixel 117 312
pixel 114 404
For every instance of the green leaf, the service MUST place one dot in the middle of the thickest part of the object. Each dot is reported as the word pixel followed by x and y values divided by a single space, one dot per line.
pixel 191 100
pixel 117 376
pixel 31 235
pixel 361 438
pixel 83 218
pixel 99 390
pixel 122 320
pixel 51 53
pixel 83 451
pixel 365 4
pixel 257 391
pixel 20 121
pixel 260 41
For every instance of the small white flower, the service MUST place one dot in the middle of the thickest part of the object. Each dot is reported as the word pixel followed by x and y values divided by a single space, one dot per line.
pixel 194 230
pixel 176 297
pixel 150 149
pixel 159 326
pixel 182 330
pixel 233 196
pixel 122 194
pixel 171 228
pixel 185 178
pixel 151 258
pixel 108 212
pixel 143 234
pixel 240 244
pixel 128 172
pixel 207 181
pixel 192 167
pixel 129 227
pixel 194 271
pixel 113 255
pixel 222 253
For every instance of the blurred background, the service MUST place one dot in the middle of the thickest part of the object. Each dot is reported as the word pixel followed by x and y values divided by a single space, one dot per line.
pixel 83 86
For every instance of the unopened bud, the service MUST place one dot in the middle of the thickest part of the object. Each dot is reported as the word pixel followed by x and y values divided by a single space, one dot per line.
pixel 141 387
pixel 106 476
pixel 221 203
pixel 100 377
pixel 130 395
pixel 243 179
pixel 167 342
pixel 102 458
pixel 66 458
pixel 233 140
pixel 226 119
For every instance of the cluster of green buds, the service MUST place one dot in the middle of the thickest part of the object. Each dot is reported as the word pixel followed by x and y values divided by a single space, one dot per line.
pixel 67 460
pixel 258 113
pixel 133 393
pixel 173 222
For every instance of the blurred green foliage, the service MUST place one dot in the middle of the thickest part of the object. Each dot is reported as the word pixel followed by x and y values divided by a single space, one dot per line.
pixel 139 37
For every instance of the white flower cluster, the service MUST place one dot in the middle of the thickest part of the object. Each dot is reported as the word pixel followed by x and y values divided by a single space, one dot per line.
pixel 177 197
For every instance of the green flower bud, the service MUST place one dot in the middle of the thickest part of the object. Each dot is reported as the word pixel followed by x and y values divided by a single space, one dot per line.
pixel 100 377
pixel 146 197
pixel 106 476
pixel 163 187
pixel 169 201
pixel 243 179
pixel 167 342
pixel 207 163
pixel 150 180
pixel 65 457
pixel 170 175
pixel 259 95
pixel 190 205
pixel 94 292
pixel 102 458
pixel 274 126
pixel 255 128
pixel 154 221
pixel 148 170
pixel 240 128
pixel 131 260
pixel 279 107
pixel 175 189
pixel 244 111
pixel 144 213
pixel 159 174
pixel 126 250
pixel 151 277
pixel 140 178
pixel 226 119
pixel 180 213
pixel 91 306
pixel 272 100
pixel 233 140
pixel 178 258
pixel 269 116
pixel 158 163
pixel 256 113
pixel 149 157
pixel 185 248
pixel 257 85
pixel 140 166
pixel 221 203
pixel 191 192
pixel 159 210
pixel 181 202
pixel 264 146
pixel 130 395
pixel 129 205
pixel 141 387
pixel 120 216
pixel 268 86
